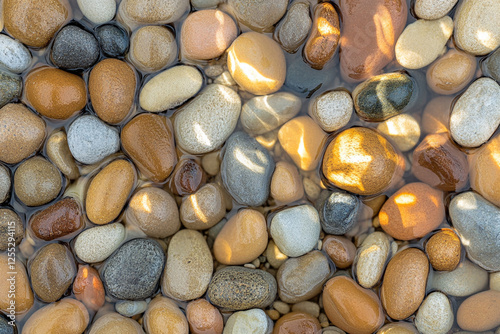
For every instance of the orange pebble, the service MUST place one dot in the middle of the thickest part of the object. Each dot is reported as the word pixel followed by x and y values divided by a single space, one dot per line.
pixel 203 317
pixel 88 287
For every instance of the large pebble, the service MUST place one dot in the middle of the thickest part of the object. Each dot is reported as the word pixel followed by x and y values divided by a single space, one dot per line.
pixel 52 271
pixel 189 266
pixel 164 316
pixel 262 114
pixel 203 317
pixel 247 169
pixel 465 280
pixel 296 230
pixel 203 209
pixel 14 56
pixel 97 243
pixel 113 40
pixel 403 130
pixel 258 15
pixel 5 183
pixel 286 183
pixel 134 270
pixel 480 312
pixel 444 250
pixel 240 288
pixel 108 191
pixel 403 286
pixel 256 62
pixel 332 110
pixel 74 48
pixel 21 133
pixel 115 323
pixel 152 48
pixel 295 26
pixel 476 31
pixel 371 258
pixel 297 322
pixel 476 221
pixel 11 86
pixel 98 11
pixel 23 297
pixel 11 226
pixel 57 150
pixel 153 12
pixel 207 121
pixel 55 93
pixel 170 88
pixel 340 250
pixel 88 287
pixel 252 321
pixel 451 73
pixel 435 315
pixel 338 211
pixel 422 42
pixel 484 169
pixel 149 141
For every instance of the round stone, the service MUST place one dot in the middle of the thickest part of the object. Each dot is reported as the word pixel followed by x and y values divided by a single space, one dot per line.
pixel 14 56
pixel 480 312
pixel 162 308
pixel 332 110
pixel 203 317
pixel 451 73
pixel 258 15
pixel 88 287
pixel 113 40
pixel 203 209
pixel 74 48
pixel 98 11
pixel 444 250
pixel 251 321
pixel 96 244
pixel 11 226
pixel 340 250
pixel 435 315
pixel 152 48
pixel 338 211
pixel 403 130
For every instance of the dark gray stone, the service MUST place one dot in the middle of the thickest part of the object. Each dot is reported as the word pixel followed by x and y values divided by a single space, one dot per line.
pixel 74 48
pixel 134 270
pixel 246 169
pixel 338 211
pixel 5 328
pixel 492 64
pixel 11 86
pixel 305 80
pixel 113 40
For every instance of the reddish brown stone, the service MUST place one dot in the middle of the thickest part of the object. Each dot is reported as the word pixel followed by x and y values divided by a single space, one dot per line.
pixel 297 323
pixel 88 287
pixel 341 250
pixel 187 177
pixel 58 220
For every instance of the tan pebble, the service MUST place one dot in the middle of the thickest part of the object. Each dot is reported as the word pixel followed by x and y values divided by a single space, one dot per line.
pixel 286 183
pixel 58 152
pixel 444 250
pixel 203 317
pixel 23 294
pixel 340 249
pixel 371 259
pixel 495 281
pixel 273 314
pixel 203 209
pixel 211 163
pixel 484 169
pixel 88 287
pixel 432 10
pixel 451 73
pixel 307 307
pixel 164 316
pixel 152 48
pixel 297 322
pixel 480 312
pixel 311 188
pixel 274 256
pixel 152 11
pixel 281 307
pixel 403 130
pixel 258 15
pixel 398 328
pixel 114 323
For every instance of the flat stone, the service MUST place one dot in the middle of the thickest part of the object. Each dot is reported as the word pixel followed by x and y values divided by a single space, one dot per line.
pixel 113 40
pixel 14 56
pixel 11 226
pixel 98 11
pixel 10 87
pixel 338 211
pixel 96 244
pixel 465 280
pixel 74 48
pixel 294 27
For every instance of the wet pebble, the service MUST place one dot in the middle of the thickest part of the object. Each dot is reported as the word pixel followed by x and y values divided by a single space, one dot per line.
pixel 97 243
pixel 434 120
pixel 161 309
pixel 371 258
pixel 57 150
pixel 152 48
pixel 451 72
pixel 340 250
pixel 480 312
pixel 203 317
pixel 465 280
pixel 258 15
pixel 435 315
pixel 251 321
pixel 88 287
pixel 152 12
pixel 295 26
pixel 11 86
pixel 5 183
pixel 203 209
pixel 338 211
pixel 98 11
pixel 187 177
pixel 115 323
pixel 403 130
pixel 129 308
pixel 113 40
pixel 332 110
pixel 23 294
pixel 286 183
pixel 11 226
pixel 444 250
pixel 484 171
pixel 14 56
pixel 433 10
pixel 74 48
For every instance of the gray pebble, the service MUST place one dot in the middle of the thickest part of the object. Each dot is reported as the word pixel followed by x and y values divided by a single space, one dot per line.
pixel 492 65
pixel 5 328
pixel 113 40
pixel 293 29
pixel 10 219
pixel 74 48
pixel 5 183
pixel 337 211
pixel 129 308
pixel 10 87
pixel 14 56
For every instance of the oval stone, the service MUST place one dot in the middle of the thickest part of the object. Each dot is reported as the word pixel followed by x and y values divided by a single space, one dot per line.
pixel 152 48
pixel 484 169
pixel 480 312
pixel 204 318
pixel 432 10
pixel 187 177
pixel 297 322
pixel 435 315
pixel 96 244
pixel 57 149
pixel 74 49
pixel 286 183
pixel 292 31
pixel 371 258
pixel 465 280
pixel 444 250
pixel 23 297
pixel 88 287
pixel 160 309
pixel 451 73
pixel 13 55
pixel 203 209
pixel 258 15
pixel 340 250
pixel 115 323
pixel 98 11
pixel 152 11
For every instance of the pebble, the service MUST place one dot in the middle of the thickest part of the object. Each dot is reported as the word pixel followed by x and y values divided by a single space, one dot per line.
pixel 152 12
pixel 21 133
pixel 444 250
pixel 67 316
pixel 98 11
pixel 149 141
pixel 115 323
pixel 68 90
pixel 365 46
pixel 413 211
pixel 294 27
pixel 423 41
pixel 371 258
pixel 274 256
pixel 476 31
pixel 200 4
pixel 286 183
pixel 246 169
pixel 399 328
pixel 62 218
pixel 57 150
pixel 203 209
pixel 302 278
pixel 5 327
pixel 361 161
pixel 403 286
pixel 480 312
pixel 206 34
pixel 440 164
pixel 262 70
pixel 239 288
pixel 483 171
pixel 203 317
pixel 5 183
pixel 11 86
pixel 242 239
pixel 74 48
pixel 189 266
pixel 262 114
pixel 303 140
pixel 208 120
pixel 258 15
pixel 338 211
pixel 96 244
pixel 281 307
pixel 476 221
pixel 34 22
pixel 307 307
pixel 37 181
pixel 134 270
pixel 495 281
pixel 403 130
pixel 88 287
pixel 14 56
pixel 253 321
pixel 340 250
pixel 451 73
pixel 305 80
pixel 296 230
pixel 11 226
pixel 324 37
pixel 90 140
pixel 112 90
pixel 170 88
pixel 433 10
pixel 113 40
pixel 361 311
pixel 152 48
pixel 154 211
pixel 52 271
pixel 434 120
pixel 435 315
pixel 465 280
pixel 129 308
pixel 297 322
pixel 23 295
pixel 492 65
pixel 164 316
pixel 332 110
pixel 400 92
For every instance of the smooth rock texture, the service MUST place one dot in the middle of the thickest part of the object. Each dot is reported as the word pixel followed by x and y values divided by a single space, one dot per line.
pixel 286 183
pixel 152 48
pixel 160 309
pixel 113 323
pixel 371 258
pixel 88 287
pixel 247 169
pixel 465 280
pixel 21 133
pixel 152 12
pixel 57 150
pixel 14 56
pixel 74 48
pixel 476 221
pixel 340 250
pixel 261 71
pixel 170 88
pixel 480 312
pixel 5 183
pixel 189 266
pixel 187 177
pixel 433 10
pixel 338 211
pixel 96 244
pixel 403 130
pixel 252 321
pixel 398 328
pixel 483 171
pixel 11 86
pixel 11 226
pixel 203 317
pixel 134 270
pixel 435 315
pixel 23 294
pixel 207 121
pixel 297 322
pixel 332 110
pixel 258 15
pixel 444 250
pixel 129 308
pixel 98 11
pixel 451 72
pixel 492 65
pixel 294 28
pixel 240 288
pixel 113 40
pixel 203 209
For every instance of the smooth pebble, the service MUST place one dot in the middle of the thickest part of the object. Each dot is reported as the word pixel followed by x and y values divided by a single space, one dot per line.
pixel 96 244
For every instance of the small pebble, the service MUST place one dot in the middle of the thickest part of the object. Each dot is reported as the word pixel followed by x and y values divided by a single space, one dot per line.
pixel 187 177
pixel 451 73
pixel 274 256
pixel 11 226
pixel 435 315
pixel 297 322
pixel 495 281
pixel 293 29
pixel 307 307
pixel 483 171
pixel 332 110
pixel 286 183
pixel 152 48
pixel 96 244
pixel 371 259
pixel 24 295
pixel 338 211
pixel 11 86
pixel 98 11
pixel 281 307
pixel 403 130
pixel 88 287
pixel 129 308
pixel 340 250
pixel 58 152
pixel 252 321
pixel 14 56
pixel 257 15
pixel 433 10
pixel 74 48
pixel 113 40
pixel 444 250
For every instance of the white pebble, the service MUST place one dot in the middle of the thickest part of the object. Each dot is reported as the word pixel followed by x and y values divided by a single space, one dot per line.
pixel 403 130
pixel 435 315
pixel 253 321
pixel 332 110
pixel 98 11
pixel 433 9
pixel 14 56
pixel 98 243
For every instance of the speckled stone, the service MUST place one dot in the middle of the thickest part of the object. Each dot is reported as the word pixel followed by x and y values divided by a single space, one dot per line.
pixel 435 315
pixel 152 11
pixel 134 270
pixel 204 318
pixel 10 226
pixel 240 288
pixel 371 258
pixel 96 244
pixel 432 10
pixel 332 110
pixel 258 15
pixel 10 87
pixel 465 280
pixel 444 250
pixel 74 48
pixel 111 323
pixel 338 211
pixel 152 48
pixel 57 150
pixel 294 28
pixel 187 177
pixel 113 40
pixel 98 11
pixel 88 287
pixel 14 56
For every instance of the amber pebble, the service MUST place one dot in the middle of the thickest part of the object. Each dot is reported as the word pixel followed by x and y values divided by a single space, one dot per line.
pixel 164 316
pixel 325 35
pixel 440 164
pixel 187 177
pixel 340 249
pixel 88 287
pixel 114 323
pixel 203 209
pixel 451 73
pixel 297 323
pixel 480 312
pixel 444 250
pixel 485 171
pixel 58 152
pixel 203 317
pixel 58 220
pixel 112 89
pixel 286 183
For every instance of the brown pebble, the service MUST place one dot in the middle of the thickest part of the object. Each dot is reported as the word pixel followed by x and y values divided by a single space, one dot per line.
pixel 187 177
pixel 485 170
pixel 152 48
pixel 11 226
pixel 23 294
pixel 58 152
pixel 444 250
pixel 286 183
pixel 340 249
pixel 451 73
pixel 203 209
pixel 297 322
pixel 88 287
pixel 203 317
pixel 480 312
